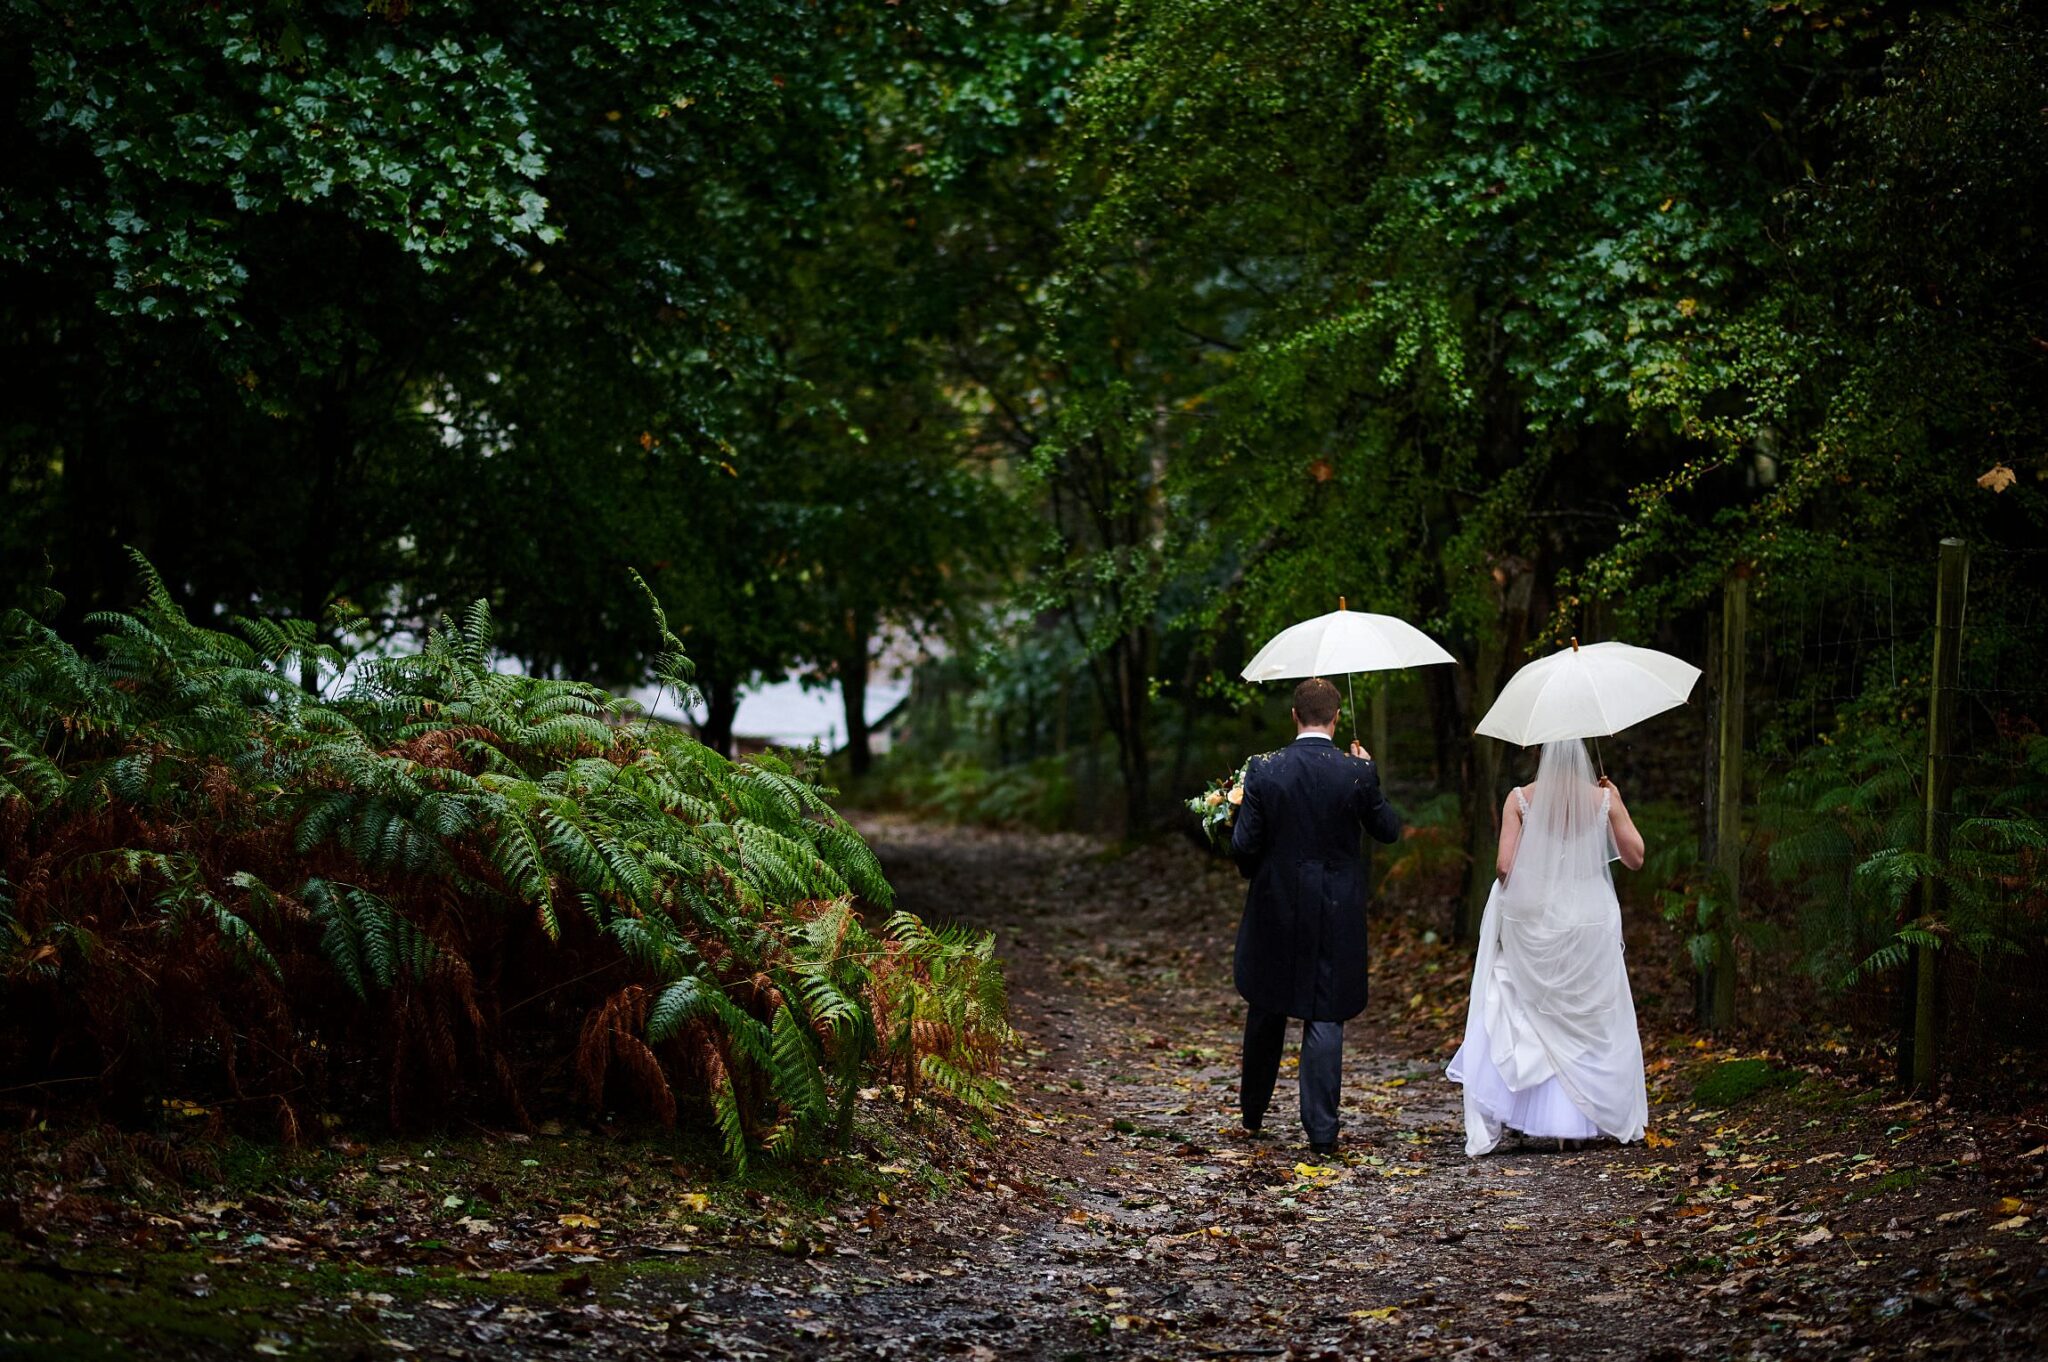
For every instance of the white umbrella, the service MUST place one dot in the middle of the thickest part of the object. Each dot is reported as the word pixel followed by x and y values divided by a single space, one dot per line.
pixel 1344 641
pixel 1587 692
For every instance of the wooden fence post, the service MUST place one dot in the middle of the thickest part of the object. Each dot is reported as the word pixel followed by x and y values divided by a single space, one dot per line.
pixel 1728 790
pixel 1710 801
pixel 1951 598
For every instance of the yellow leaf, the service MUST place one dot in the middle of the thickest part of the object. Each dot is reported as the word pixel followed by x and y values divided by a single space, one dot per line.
pixel 1653 1140
pixel 695 1201
pixel 576 1220
pixel 1382 1312
pixel 1311 1170
pixel 2011 1205
pixel 1665 206
pixel 2015 1223
pixel 1998 479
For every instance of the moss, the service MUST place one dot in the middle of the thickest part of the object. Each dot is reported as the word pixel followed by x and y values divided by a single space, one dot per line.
pixel 97 1305
pixel 1738 1080
pixel 1902 1181
pixel 103 1304
pixel 120 1300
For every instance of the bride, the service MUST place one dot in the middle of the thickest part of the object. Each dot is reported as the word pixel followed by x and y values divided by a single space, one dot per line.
pixel 1550 1038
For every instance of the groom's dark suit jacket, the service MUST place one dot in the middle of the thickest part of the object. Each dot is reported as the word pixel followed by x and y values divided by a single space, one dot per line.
pixel 1301 945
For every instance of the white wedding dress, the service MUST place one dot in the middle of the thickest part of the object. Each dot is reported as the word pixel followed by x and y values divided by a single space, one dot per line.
pixel 1550 1045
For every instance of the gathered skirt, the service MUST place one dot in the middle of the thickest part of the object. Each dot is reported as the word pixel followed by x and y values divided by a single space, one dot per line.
pixel 1544 1065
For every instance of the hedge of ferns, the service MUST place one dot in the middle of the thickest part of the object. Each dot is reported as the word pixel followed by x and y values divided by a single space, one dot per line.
pixel 437 886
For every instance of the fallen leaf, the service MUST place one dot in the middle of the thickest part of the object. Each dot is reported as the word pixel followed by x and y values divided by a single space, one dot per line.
pixel 576 1220
pixel 1998 479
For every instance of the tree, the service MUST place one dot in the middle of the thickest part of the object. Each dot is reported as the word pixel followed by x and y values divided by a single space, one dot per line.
pixel 314 301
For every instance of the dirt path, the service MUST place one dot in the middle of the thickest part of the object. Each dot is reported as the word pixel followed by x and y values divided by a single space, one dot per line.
pixel 1131 1219
pixel 1118 1213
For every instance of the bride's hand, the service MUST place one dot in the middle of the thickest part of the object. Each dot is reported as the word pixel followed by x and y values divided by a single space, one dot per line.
pixel 1607 784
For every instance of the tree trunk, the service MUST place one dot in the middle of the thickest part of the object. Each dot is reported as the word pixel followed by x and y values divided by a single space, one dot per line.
pixel 1937 792
pixel 1515 582
pixel 1728 846
pixel 1710 800
pixel 1446 723
pixel 721 707
pixel 1482 777
pixel 1133 755
pixel 1184 737
pixel 853 690
pixel 334 462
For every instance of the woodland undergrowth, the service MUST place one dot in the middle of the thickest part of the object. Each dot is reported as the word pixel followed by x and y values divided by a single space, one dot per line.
pixel 433 889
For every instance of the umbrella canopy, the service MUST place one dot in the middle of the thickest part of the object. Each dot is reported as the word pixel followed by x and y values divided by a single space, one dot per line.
pixel 1587 692
pixel 1344 641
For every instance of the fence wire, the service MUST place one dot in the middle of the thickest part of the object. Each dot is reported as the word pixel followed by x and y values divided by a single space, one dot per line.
pixel 1841 668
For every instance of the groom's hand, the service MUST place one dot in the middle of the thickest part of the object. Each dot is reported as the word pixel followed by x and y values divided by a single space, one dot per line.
pixel 1358 750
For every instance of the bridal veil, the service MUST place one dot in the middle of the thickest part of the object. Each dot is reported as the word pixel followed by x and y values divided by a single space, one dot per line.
pixel 1550 1038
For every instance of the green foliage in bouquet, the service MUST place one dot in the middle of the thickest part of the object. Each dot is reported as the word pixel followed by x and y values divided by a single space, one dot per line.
pixel 1216 807
pixel 436 886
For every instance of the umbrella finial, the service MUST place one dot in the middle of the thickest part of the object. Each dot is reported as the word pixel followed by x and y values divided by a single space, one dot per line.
pixel 1340 604
pixel 1575 642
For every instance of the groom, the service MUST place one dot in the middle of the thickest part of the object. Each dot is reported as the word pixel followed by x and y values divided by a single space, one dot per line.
pixel 1301 945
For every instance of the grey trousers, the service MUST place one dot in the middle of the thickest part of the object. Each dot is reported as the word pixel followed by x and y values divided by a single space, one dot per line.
pixel 1322 1076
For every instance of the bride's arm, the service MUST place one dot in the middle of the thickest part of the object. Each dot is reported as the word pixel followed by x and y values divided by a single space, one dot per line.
pixel 1627 840
pixel 1510 838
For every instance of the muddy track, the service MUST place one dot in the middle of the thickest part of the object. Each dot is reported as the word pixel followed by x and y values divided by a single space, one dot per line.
pixel 1117 1211
pixel 1127 1217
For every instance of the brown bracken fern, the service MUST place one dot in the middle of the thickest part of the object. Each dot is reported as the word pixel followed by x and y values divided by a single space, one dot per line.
pixel 438 886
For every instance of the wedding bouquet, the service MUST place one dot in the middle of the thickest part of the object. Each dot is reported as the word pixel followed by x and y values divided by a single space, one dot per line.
pixel 1216 806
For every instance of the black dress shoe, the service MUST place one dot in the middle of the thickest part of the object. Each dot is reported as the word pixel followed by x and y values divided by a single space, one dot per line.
pixel 1251 1126
pixel 1322 1151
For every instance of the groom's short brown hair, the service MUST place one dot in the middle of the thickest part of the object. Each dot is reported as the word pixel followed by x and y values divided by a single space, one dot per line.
pixel 1315 702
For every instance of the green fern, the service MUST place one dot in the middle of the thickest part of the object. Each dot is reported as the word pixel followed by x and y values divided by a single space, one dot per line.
pixel 443 815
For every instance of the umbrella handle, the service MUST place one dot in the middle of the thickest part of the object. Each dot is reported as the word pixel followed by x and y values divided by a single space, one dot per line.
pixel 1353 693
pixel 1597 762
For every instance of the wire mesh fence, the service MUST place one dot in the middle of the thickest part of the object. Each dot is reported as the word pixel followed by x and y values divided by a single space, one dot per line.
pixel 1886 835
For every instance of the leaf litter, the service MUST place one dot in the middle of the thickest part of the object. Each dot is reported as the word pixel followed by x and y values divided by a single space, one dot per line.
pixel 1116 1210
